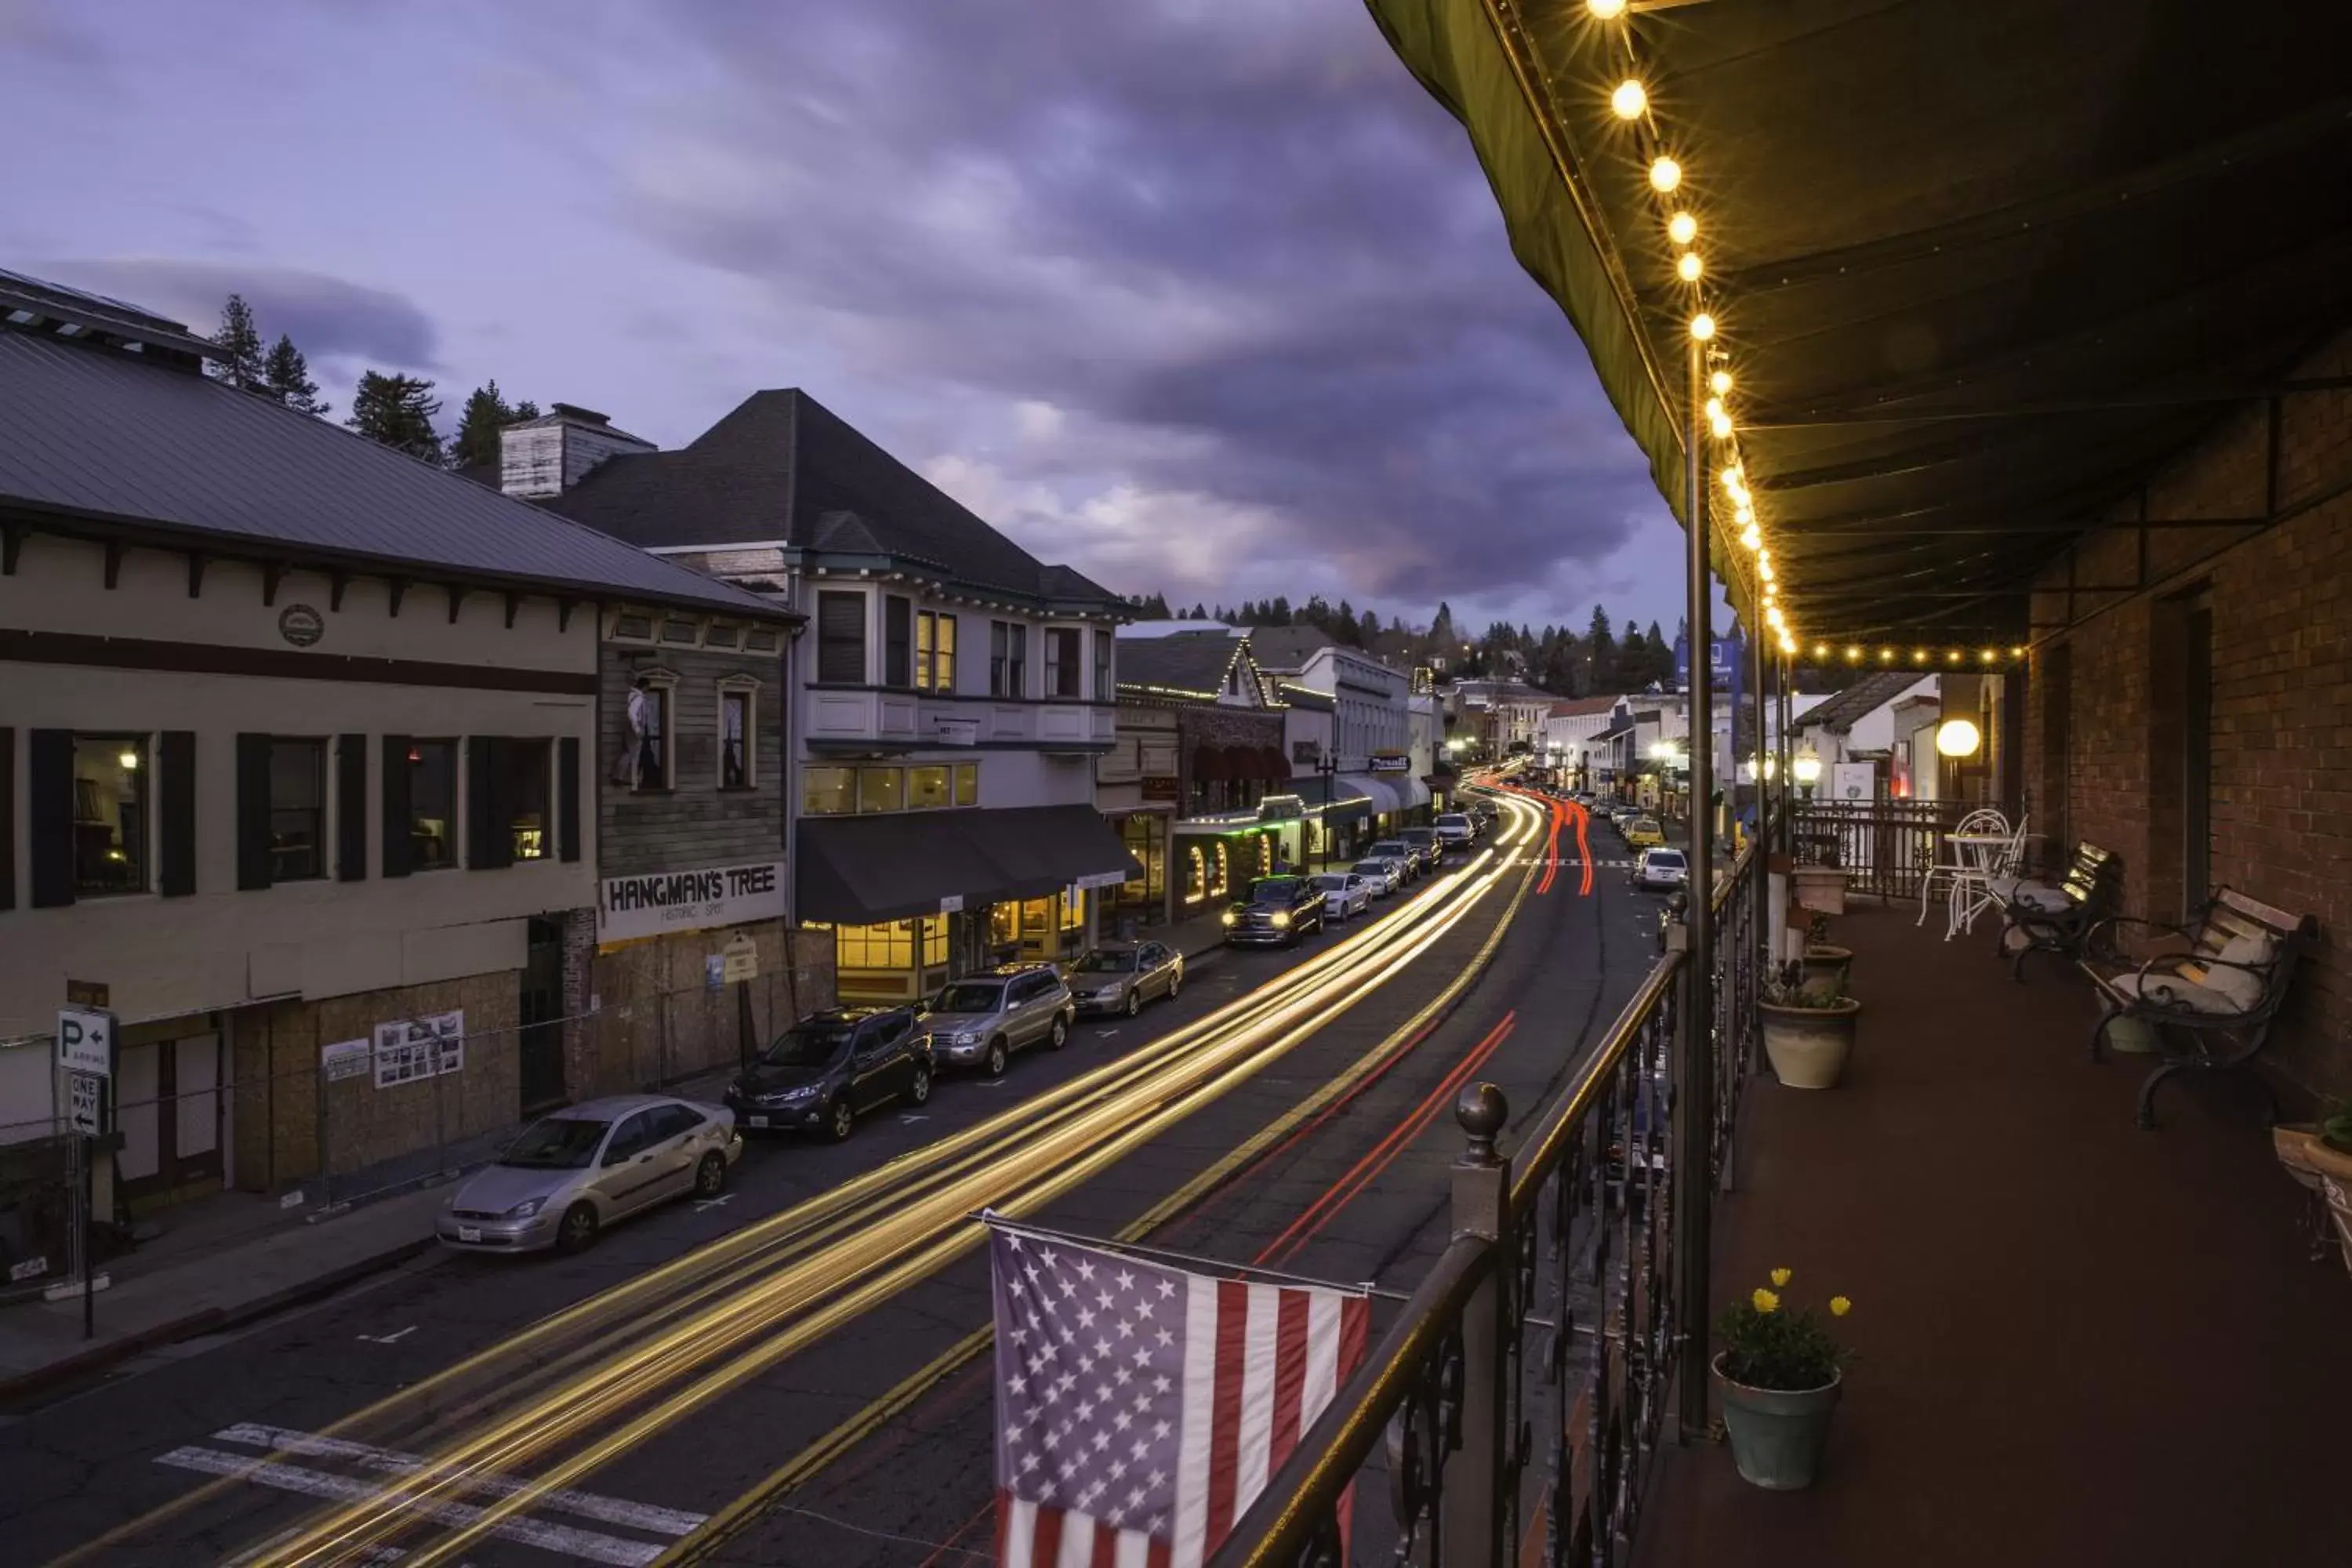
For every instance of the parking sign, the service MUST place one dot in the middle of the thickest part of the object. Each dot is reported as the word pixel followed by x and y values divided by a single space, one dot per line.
pixel 86 1040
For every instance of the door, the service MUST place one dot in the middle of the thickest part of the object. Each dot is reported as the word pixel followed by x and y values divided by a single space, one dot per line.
pixel 167 1105
pixel 628 1176
pixel 675 1150
pixel 1036 1012
pixel 541 1069
pixel 879 1065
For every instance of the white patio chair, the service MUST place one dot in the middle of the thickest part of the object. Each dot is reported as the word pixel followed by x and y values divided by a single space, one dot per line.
pixel 1976 888
pixel 1984 819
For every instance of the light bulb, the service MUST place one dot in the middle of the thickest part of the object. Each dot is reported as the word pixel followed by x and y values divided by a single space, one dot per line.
pixel 1687 267
pixel 2017 653
pixel 1629 100
pixel 1720 422
pixel 1957 738
pixel 1764 558
pixel 1854 655
pixel 1752 537
pixel 1665 174
pixel 1764 570
pixel 1820 650
pixel 1886 655
pixel 1788 643
pixel 1682 229
pixel 1918 656
pixel 1988 656
pixel 1605 10
pixel 1952 658
pixel 128 759
pixel 1714 406
pixel 1732 475
pixel 1702 326
pixel 1720 381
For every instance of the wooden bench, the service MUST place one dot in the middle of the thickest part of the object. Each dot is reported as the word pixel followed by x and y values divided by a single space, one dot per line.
pixel 2056 916
pixel 2209 1007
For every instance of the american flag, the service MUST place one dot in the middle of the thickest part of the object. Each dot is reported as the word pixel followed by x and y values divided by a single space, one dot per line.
pixel 1142 1408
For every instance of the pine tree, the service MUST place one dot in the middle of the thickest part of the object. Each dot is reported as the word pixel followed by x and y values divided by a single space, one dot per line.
pixel 397 411
pixel 487 411
pixel 1600 653
pixel 1662 655
pixel 1369 627
pixel 286 376
pixel 240 344
pixel 1199 611
pixel 1441 634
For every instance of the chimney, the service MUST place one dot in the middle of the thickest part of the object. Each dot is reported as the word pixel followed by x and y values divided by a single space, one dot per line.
pixel 547 456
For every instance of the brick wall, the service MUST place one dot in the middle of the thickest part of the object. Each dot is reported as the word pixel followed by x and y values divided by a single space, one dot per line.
pixel 2281 599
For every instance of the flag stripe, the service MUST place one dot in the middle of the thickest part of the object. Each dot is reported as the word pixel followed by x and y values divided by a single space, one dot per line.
pixel 1321 1381
pixel 1291 1341
pixel 1134 1549
pixel 1046 1542
pixel 1190 1542
pixel 1355 1328
pixel 1261 1386
pixel 1230 1339
pixel 1016 1528
pixel 1105 1547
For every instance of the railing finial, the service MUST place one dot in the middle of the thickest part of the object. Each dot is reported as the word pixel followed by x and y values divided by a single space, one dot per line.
pixel 1483 1112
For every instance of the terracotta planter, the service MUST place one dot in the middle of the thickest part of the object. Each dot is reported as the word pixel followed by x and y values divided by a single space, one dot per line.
pixel 1820 888
pixel 1809 1046
pixel 1826 967
pixel 1777 1434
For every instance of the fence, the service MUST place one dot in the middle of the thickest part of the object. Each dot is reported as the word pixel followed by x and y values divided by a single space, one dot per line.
pixel 1886 847
pixel 1530 1370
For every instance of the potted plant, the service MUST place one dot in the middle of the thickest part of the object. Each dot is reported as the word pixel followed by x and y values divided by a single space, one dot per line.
pixel 1826 963
pixel 1780 1371
pixel 2319 1155
pixel 1808 1029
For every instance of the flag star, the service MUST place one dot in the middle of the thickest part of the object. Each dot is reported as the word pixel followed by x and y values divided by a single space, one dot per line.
pixel 1143 1309
pixel 1086 1319
pixel 1139 1450
pixel 1122 1420
pixel 1045 1491
pixel 1159 1525
pixel 1032 1321
pixel 1029 1463
pixel 1157 1479
pixel 1119 1470
pixel 1020 1336
pixel 1015 1285
pixel 1160 1385
pixel 1102 1441
pixel 1118 1516
pixel 1159 1429
pixel 1164 1337
pixel 1011 1241
pixel 1036 1364
pixel 1069 1289
pixel 1085 1410
pixel 1018 1385
pixel 1123 1375
pixel 1167 1289
pixel 1031 1270
pixel 1103 1301
pixel 1013 1432
pixel 1126 1330
pixel 1142 1403
pixel 1142 1357
pixel 1052 1439
pixel 1135 1498
pixel 1053 1393
pixel 1102 1394
pixel 1086 1363
pixel 1085 1269
pixel 1125 1280
pixel 1069 1381
pixel 1051 1256
pixel 1102 1347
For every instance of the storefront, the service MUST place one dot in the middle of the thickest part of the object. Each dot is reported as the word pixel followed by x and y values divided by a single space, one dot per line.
pixel 1142 900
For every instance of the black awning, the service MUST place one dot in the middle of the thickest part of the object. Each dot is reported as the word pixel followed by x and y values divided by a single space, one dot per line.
pixel 1041 849
pixel 858 870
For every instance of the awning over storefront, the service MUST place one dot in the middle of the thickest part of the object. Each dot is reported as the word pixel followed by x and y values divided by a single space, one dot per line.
pixel 858 870
pixel 1274 767
pixel 1208 766
pixel 1413 792
pixel 1379 791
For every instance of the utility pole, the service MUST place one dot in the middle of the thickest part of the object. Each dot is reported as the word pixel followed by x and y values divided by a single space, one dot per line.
pixel 1694 1117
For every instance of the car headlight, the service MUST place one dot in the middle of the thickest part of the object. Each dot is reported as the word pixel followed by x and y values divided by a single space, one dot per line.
pixel 526 1209
pixel 967 1038
pixel 1281 918
pixel 1229 916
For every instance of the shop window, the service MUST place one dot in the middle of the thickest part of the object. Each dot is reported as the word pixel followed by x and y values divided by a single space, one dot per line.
pixel 1063 674
pixel 935 652
pixel 1008 660
pixel 828 792
pixel 109 815
pixel 841 638
pixel 432 804
pixel 898 641
pixel 1145 837
pixel 1196 875
pixel 298 810
pixel 529 795
pixel 738 733
pixel 1004 924
pixel 927 788
pixel 967 784
pixel 889 945
pixel 881 789
pixel 1220 878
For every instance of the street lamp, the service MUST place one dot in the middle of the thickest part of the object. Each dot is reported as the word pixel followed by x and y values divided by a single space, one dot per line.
pixel 1806 769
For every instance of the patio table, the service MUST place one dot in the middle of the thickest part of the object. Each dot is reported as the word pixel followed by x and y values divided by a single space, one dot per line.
pixel 1980 855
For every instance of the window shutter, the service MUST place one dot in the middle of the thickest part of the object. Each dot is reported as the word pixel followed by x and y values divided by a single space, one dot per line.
pixel 50 771
pixel 841 638
pixel 488 846
pixel 176 826
pixel 252 811
pixel 567 804
pixel 7 818
pixel 351 808
pixel 395 842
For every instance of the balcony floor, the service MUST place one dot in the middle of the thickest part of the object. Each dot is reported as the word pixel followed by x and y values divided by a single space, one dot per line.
pixel 2077 1343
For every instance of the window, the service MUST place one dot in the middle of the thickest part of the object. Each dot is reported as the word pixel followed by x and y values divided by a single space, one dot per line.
pixel 432 804
pixel 891 946
pixel 841 638
pixel 1008 660
pixel 935 652
pixel 828 792
pixel 898 618
pixel 1063 674
pixel 735 736
pixel 529 796
pixel 109 815
pixel 649 708
pixel 881 789
pixel 1102 664
pixel 927 788
pixel 967 784
pixel 298 810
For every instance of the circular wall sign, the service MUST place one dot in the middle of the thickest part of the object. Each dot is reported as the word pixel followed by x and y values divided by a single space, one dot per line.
pixel 301 625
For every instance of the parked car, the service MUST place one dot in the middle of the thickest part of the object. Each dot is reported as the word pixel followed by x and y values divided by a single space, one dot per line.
pixel 1643 833
pixel 1345 894
pixel 1422 841
pixel 832 1068
pixel 1385 875
pixel 981 1019
pixel 573 1174
pixel 1407 857
pixel 1277 912
pixel 1660 870
pixel 1121 977
pixel 1455 830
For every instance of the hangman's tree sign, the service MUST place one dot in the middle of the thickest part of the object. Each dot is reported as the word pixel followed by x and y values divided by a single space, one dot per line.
pixel 632 907
pixel 86 1041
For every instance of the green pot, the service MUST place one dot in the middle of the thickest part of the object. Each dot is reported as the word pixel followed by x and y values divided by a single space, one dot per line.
pixel 1777 1434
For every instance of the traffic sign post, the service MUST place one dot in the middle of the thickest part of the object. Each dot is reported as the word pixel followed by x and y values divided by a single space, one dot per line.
pixel 86 1054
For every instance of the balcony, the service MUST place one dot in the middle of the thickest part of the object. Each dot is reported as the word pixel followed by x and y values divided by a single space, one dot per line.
pixel 867 717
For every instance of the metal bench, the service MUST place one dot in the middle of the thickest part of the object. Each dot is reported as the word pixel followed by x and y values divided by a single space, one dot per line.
pixel 2056 916
pixel 2210 1006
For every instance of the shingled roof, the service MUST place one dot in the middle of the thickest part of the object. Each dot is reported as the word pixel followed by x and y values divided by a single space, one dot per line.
pixel 1182 661
pixel 783 469
pixel 1871 691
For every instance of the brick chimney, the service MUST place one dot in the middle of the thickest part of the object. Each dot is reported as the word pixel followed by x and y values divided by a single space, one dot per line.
pixel 547 456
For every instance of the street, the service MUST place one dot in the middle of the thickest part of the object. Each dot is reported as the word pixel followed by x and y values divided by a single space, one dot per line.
pixel 763 1373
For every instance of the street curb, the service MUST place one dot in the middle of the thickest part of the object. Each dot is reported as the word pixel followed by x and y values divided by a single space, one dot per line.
pixel 211 1319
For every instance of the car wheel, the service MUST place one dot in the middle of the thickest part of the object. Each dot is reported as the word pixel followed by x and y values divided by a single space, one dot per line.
pixel 1059 1035
pixel 1134 1000
pixel 577 1229
pixel 711 1175
pixel 841 1120
pixel 1175 984
pixel 994 1064
pixel 918 1088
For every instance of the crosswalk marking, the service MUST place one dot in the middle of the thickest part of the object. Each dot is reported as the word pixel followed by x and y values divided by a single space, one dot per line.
pixel 568 1541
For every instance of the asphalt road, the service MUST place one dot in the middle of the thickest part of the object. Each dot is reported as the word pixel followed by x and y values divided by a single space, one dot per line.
pixel 786 1320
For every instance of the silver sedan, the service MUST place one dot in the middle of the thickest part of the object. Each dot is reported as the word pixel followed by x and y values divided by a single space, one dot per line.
pixel 573 1174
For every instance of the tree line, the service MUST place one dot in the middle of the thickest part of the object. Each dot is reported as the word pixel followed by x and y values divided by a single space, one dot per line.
pixel 392 409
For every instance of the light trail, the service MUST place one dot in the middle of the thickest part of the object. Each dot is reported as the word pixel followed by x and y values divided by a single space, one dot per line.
pixel 1100 1116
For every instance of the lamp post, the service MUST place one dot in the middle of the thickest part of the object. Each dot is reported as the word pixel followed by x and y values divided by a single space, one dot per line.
pixel 1327 767
pixel 1807 771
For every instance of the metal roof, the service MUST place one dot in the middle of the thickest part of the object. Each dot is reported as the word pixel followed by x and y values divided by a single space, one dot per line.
pixel 101 436
pixel 1182 661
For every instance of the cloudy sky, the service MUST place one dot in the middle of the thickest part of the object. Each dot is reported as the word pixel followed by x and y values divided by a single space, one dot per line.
pixel 1202 296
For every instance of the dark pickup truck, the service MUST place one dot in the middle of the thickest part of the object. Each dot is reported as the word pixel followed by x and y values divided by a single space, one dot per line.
pixel 1275 912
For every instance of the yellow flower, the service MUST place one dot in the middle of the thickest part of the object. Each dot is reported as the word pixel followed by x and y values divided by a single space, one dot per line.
pixel 1765 1301
pixel 1840 1306
pixel 1781 1277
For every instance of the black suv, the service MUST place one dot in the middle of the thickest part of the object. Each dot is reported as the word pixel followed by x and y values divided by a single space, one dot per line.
pixel 831 1067
pixel 1275 912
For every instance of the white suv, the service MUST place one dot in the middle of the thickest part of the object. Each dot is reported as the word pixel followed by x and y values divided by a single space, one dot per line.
pixel 1455 830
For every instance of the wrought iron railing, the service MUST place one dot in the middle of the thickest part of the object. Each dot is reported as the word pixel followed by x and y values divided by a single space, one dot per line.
pixel 1885 846
pixel 1519 1396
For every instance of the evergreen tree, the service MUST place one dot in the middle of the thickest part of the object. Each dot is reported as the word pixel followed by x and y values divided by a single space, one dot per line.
pixel 1600 653
pixel 1156 608
pixel 1367 627
pixel 286 376
pixel 1200 613
pixel 485 413
pixel 1346 627
pixel 1278 613
pixel 1441 634
pixel 1662 655
pixel 397 411
pixel 240 342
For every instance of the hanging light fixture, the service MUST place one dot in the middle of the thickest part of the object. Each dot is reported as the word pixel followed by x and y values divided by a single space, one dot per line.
pixel 1957 738
pixel 1806 769
pixel 1719 383
pixel 1664 173
pixel 1630 100
pixel 1682 229
pixel 1702 326
pixel 1605 10
pixel 1687 267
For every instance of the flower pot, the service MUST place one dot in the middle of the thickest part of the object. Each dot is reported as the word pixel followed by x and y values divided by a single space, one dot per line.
pixel 1808 1045
pixel 1777 1434
pixel 1826 967
pixel 1820 888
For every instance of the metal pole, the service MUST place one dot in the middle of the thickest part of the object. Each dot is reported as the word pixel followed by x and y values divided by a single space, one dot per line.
pixel 1695 1077
pixel 1769 680
pixel 85 1192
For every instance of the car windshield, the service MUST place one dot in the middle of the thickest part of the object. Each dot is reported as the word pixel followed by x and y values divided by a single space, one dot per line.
pixel 1673 858
pixel 1371 868
pixel 1273 890
pixel 1107 963
pixel 1392 848
pixel 810 1045
pixel 558 1143
pixel 1452 819
pixel 1645 824
pixel 970 998
pixel 1332 884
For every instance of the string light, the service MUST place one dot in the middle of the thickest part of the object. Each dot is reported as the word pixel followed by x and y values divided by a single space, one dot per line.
pixel 1988 656
pixel 1702 326
pixel 1719 383
pixel 1605 10
pixel 1886 655
pixel 1854 655
pixel 1918 656
pixel 1682 229
pixel 1665 174
pixel 1752 537
pixel 1630 100
pixel 1820 650
pixel 1744 514
pixel 1764 568
pixel 1720 422
pixel 1788 643
pixel 1687 267
pixel 2017 653
pixel 1714 406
